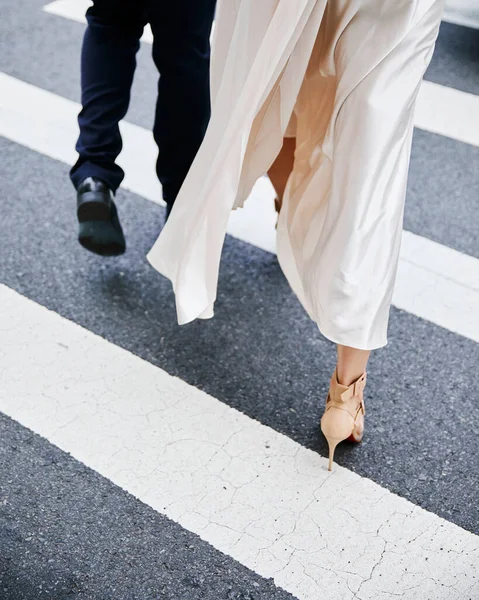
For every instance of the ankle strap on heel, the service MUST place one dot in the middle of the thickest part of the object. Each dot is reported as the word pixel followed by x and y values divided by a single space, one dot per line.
pixel 355 389
pixel 340 395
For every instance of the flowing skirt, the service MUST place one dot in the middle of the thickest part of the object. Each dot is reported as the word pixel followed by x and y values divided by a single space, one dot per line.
pixel 341 76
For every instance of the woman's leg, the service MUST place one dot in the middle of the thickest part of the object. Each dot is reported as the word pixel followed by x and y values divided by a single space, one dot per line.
pixel 351 364
pixel 281 169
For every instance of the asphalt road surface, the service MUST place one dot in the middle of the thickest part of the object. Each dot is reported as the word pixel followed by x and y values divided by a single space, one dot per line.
pixel 141 460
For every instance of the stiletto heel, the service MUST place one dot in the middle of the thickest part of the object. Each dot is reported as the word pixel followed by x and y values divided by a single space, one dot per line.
pixel 332 447
pixel 343 418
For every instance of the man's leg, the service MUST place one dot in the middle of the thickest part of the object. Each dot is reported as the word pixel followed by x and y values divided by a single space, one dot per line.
pixel 108 63
pixel 181 51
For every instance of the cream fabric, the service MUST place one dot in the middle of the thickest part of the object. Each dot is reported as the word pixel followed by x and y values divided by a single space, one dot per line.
pixel 343 75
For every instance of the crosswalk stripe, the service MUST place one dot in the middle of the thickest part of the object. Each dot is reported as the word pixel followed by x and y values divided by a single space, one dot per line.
pixel 448 112
pixel 249 491
pixel 75 11
pixel 435 282
pixel 462 12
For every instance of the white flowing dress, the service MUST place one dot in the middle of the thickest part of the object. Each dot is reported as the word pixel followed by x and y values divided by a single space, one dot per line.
pixel 342 77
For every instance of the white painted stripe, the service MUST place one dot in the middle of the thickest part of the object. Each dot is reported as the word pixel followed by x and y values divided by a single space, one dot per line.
pixel 75 11
pixel 462 12
pixel 449 112
pixel 435 283
pixel 438 284
pixel 251 492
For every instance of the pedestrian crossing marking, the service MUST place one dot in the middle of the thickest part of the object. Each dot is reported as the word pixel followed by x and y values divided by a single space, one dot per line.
pixel 354 540
pixel 448 112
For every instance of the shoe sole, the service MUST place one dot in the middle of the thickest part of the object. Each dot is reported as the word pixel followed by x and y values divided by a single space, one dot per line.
pixel 94 211
pixel 100 231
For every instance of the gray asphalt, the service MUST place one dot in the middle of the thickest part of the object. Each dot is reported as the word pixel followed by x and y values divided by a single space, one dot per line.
pixel 443 192
pixel 456 59
pixel 261 353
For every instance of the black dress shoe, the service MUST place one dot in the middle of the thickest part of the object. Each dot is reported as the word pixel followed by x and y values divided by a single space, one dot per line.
pixel 99 227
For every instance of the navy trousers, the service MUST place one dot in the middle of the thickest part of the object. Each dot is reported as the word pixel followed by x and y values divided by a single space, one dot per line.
pixel 181 52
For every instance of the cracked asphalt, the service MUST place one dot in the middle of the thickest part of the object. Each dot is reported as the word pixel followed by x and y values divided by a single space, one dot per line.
pixel 67 532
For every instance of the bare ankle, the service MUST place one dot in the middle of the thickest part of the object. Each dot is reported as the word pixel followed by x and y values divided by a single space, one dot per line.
pixel 351 364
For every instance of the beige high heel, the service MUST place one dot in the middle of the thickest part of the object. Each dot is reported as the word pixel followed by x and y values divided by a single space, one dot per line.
pixel 343 418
